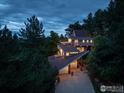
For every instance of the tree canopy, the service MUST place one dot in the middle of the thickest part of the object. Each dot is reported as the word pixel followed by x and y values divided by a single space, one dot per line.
pixel 24 66
pixel 107 57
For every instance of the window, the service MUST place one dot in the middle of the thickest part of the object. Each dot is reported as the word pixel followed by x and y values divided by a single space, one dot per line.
pixel 71 53
pixel 91 41
pixel 69 40
pixel 76 41
pixel 61 52
pixel 81 49
pixel 87 41
pixel 67 54
pixel 83 41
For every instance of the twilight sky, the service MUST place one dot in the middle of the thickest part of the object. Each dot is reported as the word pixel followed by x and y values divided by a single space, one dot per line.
pixel 55 14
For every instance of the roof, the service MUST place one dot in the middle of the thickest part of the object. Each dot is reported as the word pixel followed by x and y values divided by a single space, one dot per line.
pixel 60 62
pixel 80 34
pixel 68 48
pixel 81 38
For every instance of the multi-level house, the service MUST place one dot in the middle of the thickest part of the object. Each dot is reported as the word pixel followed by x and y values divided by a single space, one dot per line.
pixel 78 45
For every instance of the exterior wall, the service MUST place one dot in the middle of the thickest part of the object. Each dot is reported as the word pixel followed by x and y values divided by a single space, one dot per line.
pixel 73 65
pixel 65 70
pixel 81 49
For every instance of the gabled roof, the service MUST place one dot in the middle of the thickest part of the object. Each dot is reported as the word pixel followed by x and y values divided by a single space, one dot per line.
pixel 68 48
pixel 60 62
pixel 81 38
pixel 80 34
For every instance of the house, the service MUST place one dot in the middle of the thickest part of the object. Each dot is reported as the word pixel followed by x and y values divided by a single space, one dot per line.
pixel 78 45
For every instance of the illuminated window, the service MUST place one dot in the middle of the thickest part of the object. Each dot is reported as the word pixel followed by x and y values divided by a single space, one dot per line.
pixel 73 52
pixel 81 49
pixel 67 54
pixel 76 41
pixel 87 41
pixel 61 52
pixel 91 41
pixel 69 40
pixel 83 41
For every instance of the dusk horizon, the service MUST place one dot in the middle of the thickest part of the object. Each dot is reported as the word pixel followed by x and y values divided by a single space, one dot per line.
pixel 55 15
pixel 61 46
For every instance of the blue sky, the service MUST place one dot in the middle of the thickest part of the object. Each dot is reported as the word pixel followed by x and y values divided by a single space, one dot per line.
pixel 56 15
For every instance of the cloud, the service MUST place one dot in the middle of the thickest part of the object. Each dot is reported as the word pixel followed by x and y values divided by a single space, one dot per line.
pixel 4 6
pixel 55 14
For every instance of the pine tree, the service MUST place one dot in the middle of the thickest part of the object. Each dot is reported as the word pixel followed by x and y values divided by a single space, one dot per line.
pixel 71 27
pixel 89 24
pixel 33 31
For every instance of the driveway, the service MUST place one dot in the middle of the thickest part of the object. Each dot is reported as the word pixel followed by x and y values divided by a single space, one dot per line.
pixel 78 83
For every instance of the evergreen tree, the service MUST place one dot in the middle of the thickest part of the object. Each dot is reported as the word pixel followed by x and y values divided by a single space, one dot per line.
pixel 100 22
pixel 6 46
pixel 89 24
pixel 63 38
pixel 107 57
pixel 71 27
pixel 28 69
pixel 33 35
pixel 33 31
pixel 54 40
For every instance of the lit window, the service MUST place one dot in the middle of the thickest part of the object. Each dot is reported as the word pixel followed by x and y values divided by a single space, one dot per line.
pixel 67 54
pixel 87 41
pixel 73 52
pixel 91 41
pixel 69 40
pixel 83 41
pixel 76 41
pixel 61 52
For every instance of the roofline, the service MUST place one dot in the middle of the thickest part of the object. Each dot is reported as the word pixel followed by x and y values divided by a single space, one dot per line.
pixel 74 59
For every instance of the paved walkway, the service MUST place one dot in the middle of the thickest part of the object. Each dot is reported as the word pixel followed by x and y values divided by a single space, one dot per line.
pixel 78 83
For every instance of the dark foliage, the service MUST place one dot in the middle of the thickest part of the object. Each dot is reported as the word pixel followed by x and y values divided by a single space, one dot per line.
pixel 24 67
pixel 106 60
